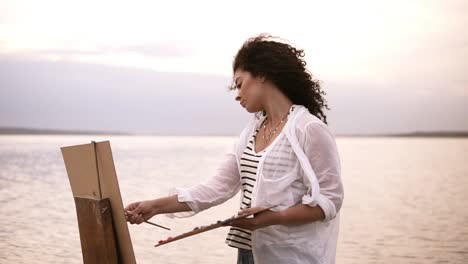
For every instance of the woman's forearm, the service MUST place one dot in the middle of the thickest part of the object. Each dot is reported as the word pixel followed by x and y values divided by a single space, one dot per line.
pixel 170 204
pixel 301 214
pixel 296 215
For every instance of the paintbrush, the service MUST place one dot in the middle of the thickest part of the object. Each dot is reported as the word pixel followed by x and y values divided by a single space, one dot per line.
pixel 148 222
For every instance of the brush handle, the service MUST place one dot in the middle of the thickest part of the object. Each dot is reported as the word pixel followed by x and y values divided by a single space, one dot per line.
pixel 148 222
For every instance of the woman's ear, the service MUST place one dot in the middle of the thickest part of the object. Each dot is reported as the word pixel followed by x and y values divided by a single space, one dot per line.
pixel 259 77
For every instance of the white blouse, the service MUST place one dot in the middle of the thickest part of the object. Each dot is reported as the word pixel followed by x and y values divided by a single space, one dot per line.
pixel 301 166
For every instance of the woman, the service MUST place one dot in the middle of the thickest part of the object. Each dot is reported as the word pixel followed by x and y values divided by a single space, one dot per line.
pixel 285 157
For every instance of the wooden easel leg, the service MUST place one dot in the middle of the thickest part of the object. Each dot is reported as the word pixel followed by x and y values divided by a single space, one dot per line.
pixel 98 242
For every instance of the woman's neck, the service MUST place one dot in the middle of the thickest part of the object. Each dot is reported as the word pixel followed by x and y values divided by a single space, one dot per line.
pixel 277 108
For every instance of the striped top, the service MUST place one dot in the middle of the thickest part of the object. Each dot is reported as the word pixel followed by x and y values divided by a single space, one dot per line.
pixel 237 237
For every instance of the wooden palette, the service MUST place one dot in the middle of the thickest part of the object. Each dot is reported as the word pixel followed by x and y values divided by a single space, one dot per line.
pixel 199 230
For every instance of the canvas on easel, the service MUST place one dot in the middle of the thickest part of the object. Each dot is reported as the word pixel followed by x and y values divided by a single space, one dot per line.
pixel 91 171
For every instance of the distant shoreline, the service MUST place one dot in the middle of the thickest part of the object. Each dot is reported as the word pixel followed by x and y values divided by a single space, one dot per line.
pixel 435 134
pixel 32 131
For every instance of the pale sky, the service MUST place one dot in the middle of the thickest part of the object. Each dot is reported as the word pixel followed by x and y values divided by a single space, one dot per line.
pixel 375 40
pixel 406 50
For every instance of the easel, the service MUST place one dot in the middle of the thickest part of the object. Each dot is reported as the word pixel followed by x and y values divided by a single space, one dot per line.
pixel 103 228
pixel 98 243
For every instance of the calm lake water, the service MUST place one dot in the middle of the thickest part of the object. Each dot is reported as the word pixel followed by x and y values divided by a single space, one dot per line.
pixel 406 199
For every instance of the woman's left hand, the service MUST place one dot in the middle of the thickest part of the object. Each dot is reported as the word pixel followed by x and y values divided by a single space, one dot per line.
pixel 259 220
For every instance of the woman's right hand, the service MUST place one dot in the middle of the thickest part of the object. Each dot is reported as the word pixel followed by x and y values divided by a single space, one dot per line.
pixel 138 212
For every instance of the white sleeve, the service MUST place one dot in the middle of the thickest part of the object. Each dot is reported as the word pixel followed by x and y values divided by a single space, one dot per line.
pixel 322 153
pixel 222 186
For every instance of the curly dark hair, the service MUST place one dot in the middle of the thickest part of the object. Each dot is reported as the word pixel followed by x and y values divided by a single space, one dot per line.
pixel 284 66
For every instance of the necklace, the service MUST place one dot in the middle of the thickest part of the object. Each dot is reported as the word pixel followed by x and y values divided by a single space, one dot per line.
pixel 267 138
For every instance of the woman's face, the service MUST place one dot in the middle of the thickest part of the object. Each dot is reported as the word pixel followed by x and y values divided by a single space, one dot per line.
pixel 249 91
